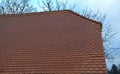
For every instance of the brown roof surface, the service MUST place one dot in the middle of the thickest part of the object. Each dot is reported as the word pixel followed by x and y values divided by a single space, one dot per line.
pixel 59 42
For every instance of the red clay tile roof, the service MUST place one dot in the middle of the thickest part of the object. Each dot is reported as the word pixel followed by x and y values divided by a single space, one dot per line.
pixel 50 43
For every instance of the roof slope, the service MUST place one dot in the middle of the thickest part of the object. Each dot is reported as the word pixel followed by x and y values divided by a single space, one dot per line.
pixel 50 42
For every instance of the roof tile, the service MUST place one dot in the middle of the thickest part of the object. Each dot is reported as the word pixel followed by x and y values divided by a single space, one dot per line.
pixel 60 42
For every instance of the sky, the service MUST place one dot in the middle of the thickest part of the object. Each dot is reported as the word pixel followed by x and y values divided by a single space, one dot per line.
pixel 109 7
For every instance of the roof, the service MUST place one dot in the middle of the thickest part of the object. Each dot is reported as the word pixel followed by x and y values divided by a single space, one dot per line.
pixel 50 42
pixel 11 15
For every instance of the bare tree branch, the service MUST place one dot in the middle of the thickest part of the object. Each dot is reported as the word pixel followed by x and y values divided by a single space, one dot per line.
pixel 48 4
pixel 107 33
pixel 15 7
pixel 53 5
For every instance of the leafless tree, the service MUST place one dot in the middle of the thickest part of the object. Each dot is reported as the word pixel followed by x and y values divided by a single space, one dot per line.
pixel 97 16
pixel 55 5
pixel 107 31
pixel 15 7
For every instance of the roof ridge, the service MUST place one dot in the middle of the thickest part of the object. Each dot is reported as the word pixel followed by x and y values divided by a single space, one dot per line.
pixel 31 13
pixel 53 11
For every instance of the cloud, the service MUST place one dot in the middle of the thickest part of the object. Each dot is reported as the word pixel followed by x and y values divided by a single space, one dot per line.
pixel 111 9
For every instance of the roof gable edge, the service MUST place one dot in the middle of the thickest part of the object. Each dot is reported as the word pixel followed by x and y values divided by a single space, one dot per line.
pixel 85 17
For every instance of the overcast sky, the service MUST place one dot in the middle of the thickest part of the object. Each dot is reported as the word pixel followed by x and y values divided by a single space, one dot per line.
pixel 112 9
